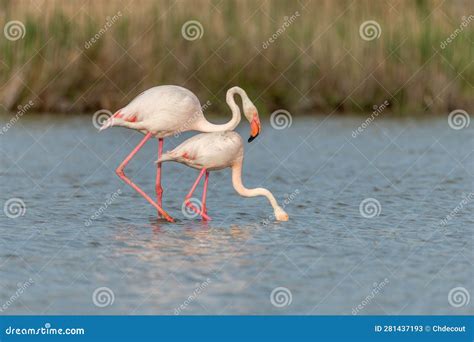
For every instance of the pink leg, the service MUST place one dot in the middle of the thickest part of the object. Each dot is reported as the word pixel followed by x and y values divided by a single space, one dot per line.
pixel 158 188
pixel 190 194
pixel 122 175
pixel 204 194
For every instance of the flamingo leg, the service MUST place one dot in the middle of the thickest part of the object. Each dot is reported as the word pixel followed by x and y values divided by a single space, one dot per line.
pixel 187 199
pixel 121 174
pixel 158 188
pixel 204 195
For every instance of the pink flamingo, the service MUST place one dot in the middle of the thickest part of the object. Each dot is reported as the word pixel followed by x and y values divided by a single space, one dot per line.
pixel 170 110
pixel 216 151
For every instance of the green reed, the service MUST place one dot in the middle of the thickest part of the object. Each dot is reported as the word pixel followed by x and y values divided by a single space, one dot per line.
pixel 317 63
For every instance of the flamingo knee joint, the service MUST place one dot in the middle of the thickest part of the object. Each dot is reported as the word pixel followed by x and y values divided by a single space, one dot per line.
pixel 119 171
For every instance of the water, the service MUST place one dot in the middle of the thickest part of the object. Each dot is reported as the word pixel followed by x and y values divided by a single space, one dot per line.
pixel 328 255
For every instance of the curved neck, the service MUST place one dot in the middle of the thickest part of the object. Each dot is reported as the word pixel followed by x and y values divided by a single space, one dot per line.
pixel 243 191
pixel 207 126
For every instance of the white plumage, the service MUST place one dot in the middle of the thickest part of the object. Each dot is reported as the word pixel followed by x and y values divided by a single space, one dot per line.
pixel 169 110
pixel 164 109
pixel 212 151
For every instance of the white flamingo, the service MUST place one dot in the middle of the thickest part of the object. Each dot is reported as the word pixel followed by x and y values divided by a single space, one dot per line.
pixel 169 110
pixel 216 151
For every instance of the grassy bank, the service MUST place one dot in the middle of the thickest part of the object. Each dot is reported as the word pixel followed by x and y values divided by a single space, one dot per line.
pixel 305 56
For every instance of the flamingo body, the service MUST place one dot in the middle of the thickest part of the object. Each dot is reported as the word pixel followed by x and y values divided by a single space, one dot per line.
pixel 169 110
pixel 210 151
pixel 215 151
pixel 164 110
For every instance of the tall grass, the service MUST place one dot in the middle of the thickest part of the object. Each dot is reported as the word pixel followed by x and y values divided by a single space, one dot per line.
pixel 316 63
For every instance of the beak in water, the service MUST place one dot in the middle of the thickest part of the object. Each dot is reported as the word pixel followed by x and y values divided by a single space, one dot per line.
pixel 254 128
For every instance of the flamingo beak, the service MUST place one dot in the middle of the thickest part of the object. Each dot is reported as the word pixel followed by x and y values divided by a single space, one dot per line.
pixel 254 128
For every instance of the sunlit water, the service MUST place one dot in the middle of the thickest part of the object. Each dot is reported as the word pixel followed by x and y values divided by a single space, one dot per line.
pixel 328 255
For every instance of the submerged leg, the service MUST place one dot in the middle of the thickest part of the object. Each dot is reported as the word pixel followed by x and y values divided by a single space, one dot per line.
pixel 204 194
pixel 187 201
pixel 122 175
pixel 158 188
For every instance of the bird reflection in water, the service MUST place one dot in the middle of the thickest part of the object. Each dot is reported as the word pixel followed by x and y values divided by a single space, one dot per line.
pixel 157 239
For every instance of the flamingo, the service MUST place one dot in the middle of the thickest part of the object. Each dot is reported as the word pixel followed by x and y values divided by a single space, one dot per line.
pixel 168 110
pixel 216 151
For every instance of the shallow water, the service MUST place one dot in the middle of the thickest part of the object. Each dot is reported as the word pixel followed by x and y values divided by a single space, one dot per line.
pixel 328 256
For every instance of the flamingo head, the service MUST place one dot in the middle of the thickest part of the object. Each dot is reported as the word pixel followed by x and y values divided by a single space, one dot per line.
pixel 251 114
pixel 280 214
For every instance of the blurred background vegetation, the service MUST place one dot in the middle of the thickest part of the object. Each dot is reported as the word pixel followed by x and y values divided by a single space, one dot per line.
pixel 319 63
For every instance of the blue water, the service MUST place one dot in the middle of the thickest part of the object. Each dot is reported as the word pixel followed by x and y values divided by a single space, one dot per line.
pixel 328 257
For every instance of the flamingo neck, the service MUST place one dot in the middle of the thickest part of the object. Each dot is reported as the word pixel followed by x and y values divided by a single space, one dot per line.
pixel 245 192
pixel 207 126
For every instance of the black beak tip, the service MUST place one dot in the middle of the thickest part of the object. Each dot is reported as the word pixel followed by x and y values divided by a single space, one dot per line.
pixel 252 138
